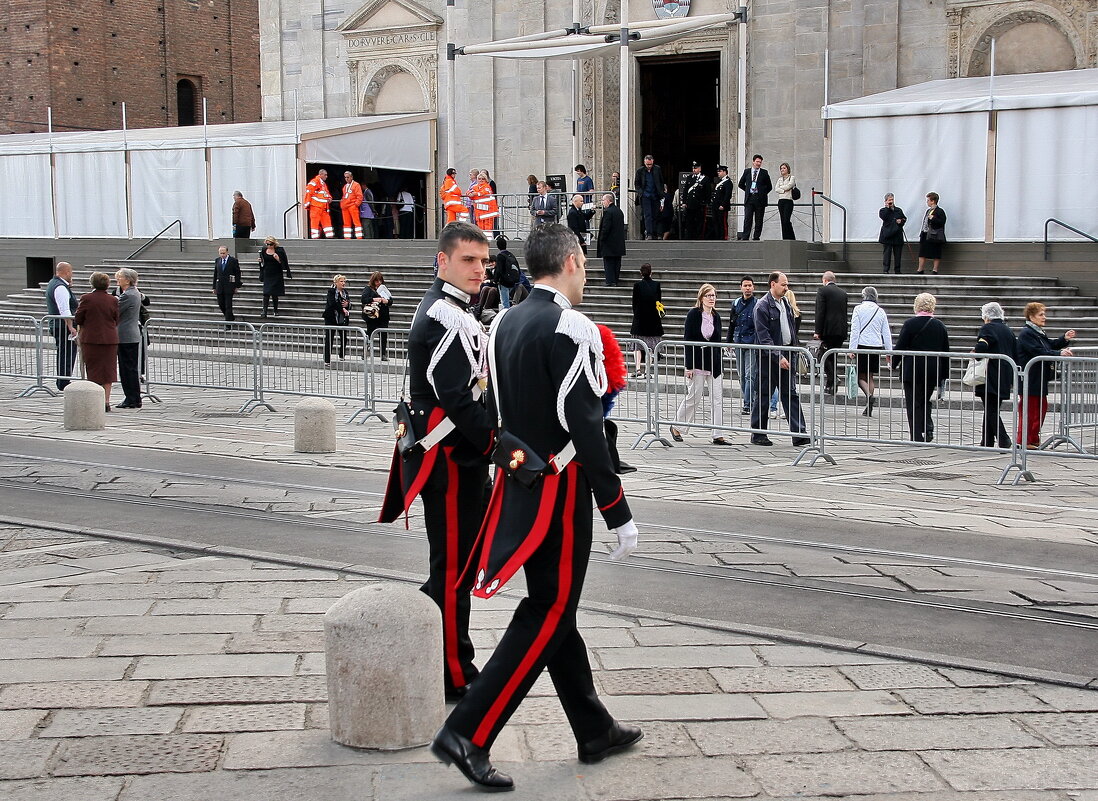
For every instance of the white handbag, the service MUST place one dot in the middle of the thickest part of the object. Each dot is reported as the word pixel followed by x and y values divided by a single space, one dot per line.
pixel 975 373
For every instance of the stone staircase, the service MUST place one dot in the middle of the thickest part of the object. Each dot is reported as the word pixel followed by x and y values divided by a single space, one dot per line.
pixel 180 288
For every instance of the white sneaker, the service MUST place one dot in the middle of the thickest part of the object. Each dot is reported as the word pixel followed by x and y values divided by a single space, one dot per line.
pixel 773 414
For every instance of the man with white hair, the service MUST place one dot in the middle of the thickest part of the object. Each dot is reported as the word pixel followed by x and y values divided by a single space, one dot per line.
pixel 61 303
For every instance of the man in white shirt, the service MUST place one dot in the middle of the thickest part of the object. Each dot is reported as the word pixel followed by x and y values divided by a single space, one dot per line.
pixel 407 214
pixel 61 303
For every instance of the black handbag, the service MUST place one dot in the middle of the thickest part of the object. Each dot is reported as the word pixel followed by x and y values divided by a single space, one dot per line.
pixel 796 193
pixel 517 460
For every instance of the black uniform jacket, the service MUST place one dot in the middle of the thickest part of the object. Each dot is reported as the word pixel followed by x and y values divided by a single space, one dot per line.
pixel 722 196
pixel 698 190
pixel 542 353
pixel 441 377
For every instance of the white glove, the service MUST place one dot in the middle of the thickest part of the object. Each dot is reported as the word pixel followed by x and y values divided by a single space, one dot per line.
pixel 627 540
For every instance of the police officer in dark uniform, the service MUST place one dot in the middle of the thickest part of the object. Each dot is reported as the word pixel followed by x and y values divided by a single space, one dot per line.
pixel 448 466
pixel 695 201
pixel 539 517
pixel 719 204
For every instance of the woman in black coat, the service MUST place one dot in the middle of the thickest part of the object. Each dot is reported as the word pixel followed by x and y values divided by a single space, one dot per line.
pixel 377 302
pixel 337 312
pixel 272 264
pixel 703 364
pixel 892 232
pixel 921 374
pixel 579 219
pixel 647 325
pixel 932 234
pixel 1034 342
pixel 995 337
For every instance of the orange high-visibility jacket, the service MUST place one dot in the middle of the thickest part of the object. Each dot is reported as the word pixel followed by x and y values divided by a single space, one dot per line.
pixel 450 194
pixel 317 194
pixel 352 196
pixel 485 206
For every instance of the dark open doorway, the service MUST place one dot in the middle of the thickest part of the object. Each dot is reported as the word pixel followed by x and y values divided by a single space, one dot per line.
pixel 680 101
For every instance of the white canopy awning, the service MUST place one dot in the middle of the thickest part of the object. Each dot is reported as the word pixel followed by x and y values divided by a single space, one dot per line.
pixel 951 95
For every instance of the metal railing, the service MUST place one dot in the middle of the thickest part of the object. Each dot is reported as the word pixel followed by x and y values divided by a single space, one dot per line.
pixel 1067 388
pixel 1062 224
pixel 156 237
pixel 837 205
pixel 23 353
pixel 285 220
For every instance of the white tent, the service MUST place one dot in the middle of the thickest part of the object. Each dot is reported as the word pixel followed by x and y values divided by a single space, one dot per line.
pixel 1004 153
pixel 135 182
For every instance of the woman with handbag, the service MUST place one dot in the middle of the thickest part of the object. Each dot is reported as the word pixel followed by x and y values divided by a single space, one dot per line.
pixel 892 232
pixel 273 264
pixel 869 330
pixel 376 304
pixel 703 365
pixel 337 312
pixel 932 235
pixel 920 374
pixel 787 190
pixel 1034 342
pixel 995 337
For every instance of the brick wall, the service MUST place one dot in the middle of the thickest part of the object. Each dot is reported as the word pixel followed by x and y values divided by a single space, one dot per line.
pixel 86 57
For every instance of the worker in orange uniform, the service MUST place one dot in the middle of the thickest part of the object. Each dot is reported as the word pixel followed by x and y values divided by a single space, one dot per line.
pixel 317 199
pixel 450 194
pixel 349 204
pixel 485 206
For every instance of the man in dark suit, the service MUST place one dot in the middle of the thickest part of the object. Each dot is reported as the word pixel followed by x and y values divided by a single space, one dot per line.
pixel 226 280
pixel 755 183
pixel 831 320
pixel 774 326
pixel 719 204
pixel 445 365
pixel 611 241
pixel 695 201
pixel 650 187
pixel 545 528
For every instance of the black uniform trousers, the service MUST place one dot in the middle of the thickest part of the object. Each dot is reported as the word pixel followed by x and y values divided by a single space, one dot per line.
pixel 772 377
pixel 826 344
pixel 129 354
pixel 695 222
pixel 543 633
pixel 453 508
pixel 917 404
pixel 752 215
pixel 66 352
pixel 717 226
pixel 225 303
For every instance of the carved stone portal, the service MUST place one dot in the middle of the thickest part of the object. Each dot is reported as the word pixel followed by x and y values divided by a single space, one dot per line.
pixel 392 40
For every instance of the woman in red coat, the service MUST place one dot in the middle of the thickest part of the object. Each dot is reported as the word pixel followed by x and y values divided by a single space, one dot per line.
pixel 96 321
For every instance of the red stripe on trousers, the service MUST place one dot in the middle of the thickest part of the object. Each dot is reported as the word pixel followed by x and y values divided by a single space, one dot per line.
pixel 548 626
pixel 530 543
pixel 488 527
pixel 449 596
pixel 428 460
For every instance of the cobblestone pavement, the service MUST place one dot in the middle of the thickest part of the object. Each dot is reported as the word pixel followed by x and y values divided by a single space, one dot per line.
pixel 136 673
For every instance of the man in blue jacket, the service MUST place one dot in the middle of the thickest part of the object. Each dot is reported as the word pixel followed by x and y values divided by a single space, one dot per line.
pixel 774 326
pixel 741 331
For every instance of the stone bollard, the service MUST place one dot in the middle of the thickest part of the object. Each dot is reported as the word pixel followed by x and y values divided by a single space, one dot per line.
pixel 315 426
pixel 84 407
pixel 383 655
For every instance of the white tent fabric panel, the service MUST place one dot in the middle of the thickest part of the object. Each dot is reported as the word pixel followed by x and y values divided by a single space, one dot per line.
pixel 91 194
pixel 909 156
pixel 1046 166
pixel 25 184
pixel 407 147
pixel 168 185
pixel 266 176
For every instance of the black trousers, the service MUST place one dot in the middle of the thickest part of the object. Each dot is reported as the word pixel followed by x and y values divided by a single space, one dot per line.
pixel 242 232
pixel 128 374
pixel 785 214
pixel 650 209
pixel 225 303
pixel 772 377
pixel 993 429
pixel 372 326
pixel 66 353
pixel 893 253
pixel 611 269
pixel 543 632
pixel 752 216
pixel 717 225
pixel 917 404
pixel 407 225
pixel 694 226
pixel 453 508
pixel 826 344
pixel 329 336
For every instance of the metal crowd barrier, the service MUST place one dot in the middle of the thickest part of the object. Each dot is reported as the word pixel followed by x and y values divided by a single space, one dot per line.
pixel 23 351
pixel 326 361
pixel 387 375
pixel 635 403
pixel 718 415
pixel 204 354
pixel 1072 403
pixel 954 416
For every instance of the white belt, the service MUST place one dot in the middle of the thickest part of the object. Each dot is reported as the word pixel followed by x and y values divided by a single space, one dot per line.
pixel 562 459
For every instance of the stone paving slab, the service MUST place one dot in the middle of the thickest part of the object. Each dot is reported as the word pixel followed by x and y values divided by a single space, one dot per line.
pixel 1018 769
pixel 83 788
pixel 925 734
pixel 115 756
pixel 110 722
pixel 838 774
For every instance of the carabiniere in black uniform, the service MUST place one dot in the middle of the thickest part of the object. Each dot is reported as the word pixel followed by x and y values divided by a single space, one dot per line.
pixel 446 366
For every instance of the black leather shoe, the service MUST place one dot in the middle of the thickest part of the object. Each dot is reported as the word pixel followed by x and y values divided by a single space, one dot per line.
pixel 761 441
pixel 453 749
pixel 455 694
pixel 624 468
pixel 619 737
pixel 675 434
pixel 721 441
pixel 801 441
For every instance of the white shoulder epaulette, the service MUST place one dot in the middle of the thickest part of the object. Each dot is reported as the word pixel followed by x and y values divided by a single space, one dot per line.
pixel 451 317
pixel 588 361
pixel 462 326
